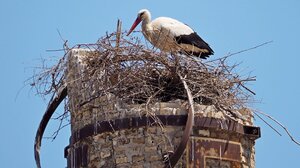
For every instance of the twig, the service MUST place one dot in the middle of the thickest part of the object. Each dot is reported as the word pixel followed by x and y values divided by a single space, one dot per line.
pixel 241 51
pixel 118 34
pixel 281 125
pixel 248 49
pixel 267 124
pixel 247 88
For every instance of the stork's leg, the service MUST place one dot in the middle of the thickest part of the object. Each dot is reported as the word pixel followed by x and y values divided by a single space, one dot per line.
pixel 176 61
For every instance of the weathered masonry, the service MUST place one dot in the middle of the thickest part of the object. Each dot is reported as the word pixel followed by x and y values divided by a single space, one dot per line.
pixel 106 132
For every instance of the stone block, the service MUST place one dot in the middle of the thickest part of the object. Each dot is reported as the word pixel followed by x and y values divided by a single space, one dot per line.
pixel 140 140
pixel 150 149
pixel 137 158
pixel 137 166
pixel 155 157
pixel 203 132
pixel 120 160
pixel 105 154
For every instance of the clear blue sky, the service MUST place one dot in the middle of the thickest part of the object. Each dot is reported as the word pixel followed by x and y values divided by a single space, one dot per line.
pixel 29 28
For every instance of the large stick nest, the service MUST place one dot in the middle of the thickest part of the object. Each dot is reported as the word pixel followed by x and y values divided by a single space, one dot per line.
pixel 137 74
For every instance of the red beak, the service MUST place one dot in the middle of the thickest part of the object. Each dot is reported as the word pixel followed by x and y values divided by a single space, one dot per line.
pixel 136 22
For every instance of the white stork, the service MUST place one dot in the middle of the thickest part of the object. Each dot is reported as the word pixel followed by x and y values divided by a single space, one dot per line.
pixel 170 35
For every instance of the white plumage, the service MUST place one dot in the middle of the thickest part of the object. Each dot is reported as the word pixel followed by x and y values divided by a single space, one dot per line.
pixel 170 35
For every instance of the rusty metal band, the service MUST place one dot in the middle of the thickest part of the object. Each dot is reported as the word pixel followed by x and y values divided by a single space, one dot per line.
pixel 173 159
pixel 53 104
pixel 167 120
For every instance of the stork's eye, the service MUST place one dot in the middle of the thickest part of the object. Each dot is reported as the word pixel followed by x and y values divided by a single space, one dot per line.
pixel 142 14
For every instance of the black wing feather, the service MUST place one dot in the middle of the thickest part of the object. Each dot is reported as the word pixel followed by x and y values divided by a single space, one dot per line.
pixel 197 41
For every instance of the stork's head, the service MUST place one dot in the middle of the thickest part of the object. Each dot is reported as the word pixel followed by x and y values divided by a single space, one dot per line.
pixel 143 14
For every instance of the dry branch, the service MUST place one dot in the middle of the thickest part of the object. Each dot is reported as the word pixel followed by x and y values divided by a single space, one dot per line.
pixel 278 123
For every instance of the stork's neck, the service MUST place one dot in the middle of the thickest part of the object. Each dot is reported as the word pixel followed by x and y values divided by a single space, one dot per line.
pixel 146 22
